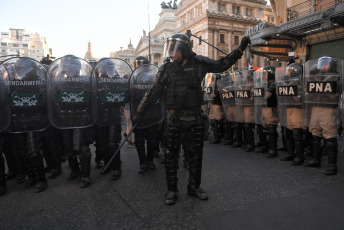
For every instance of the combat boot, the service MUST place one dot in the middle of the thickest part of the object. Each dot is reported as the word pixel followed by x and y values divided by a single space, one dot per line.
pixel 315 161
pixel 332 150
pixel 171 166
pixel 290 146
pixel 250 138
pixel 85 170
pixel 299 148
pixel 3 186
pixel 272 141
pixel 238 136
pixel 263 147
pixel 75 169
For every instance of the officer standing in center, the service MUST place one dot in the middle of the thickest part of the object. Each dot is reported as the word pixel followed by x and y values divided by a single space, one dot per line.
pixel 181 79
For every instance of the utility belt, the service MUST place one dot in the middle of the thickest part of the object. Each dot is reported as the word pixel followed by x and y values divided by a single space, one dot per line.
pixel 190 114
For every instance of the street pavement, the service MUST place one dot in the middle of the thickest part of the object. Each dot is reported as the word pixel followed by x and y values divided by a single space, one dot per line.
pixel 246 191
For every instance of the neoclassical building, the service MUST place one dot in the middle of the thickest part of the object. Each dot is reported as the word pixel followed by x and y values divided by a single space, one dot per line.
pixel 165 28
pixel 223 23
pixel 128 55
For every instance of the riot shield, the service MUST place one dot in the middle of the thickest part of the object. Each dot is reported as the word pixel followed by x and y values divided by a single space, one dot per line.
pixel 209 86
pixel 244 97
pixel 110 91
pixel 141 82
pixel 26 97
pixel 227 94
pixel 4 109
pixel 260 82
pixel 69 86
pixel 322 85
pixel 289 93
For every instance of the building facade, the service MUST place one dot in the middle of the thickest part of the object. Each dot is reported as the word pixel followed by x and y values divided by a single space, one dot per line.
pixel 19 42
pixel 223 23
pixel 165 28
pixel 305 29
pixel 128 55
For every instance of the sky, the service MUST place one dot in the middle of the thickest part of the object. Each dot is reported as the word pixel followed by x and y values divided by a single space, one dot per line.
pixel 69 24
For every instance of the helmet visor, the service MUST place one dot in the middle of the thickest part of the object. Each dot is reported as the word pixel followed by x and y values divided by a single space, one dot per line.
pixel 138 63
pixel 324 62
pixel 171 46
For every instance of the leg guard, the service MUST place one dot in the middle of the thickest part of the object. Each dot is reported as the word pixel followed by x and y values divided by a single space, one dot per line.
pixel 3 187
pixel 332 150
pixel 250 137
pixel 216 132
pixel 230 132
pixel 140 146
pixel 272 131
pixel 85 161
pixel 150 134
pixel 36 160
pixel 299 147
pixel 288 136
pixel 315 161
pixel 173 136
pixel 238 136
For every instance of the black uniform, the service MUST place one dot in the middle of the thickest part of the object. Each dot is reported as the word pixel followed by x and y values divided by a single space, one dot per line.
pixel 184 118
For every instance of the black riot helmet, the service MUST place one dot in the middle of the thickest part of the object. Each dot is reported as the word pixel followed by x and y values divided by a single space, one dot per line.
pixel 271 72
pixel 327 64
pixel 92 62
pixel 294 70
pixel 177 42
pixel 140 60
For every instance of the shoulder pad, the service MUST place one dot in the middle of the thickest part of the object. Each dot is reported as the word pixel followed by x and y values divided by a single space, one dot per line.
pixel 164 66
pixel 160 73
pixel 204 59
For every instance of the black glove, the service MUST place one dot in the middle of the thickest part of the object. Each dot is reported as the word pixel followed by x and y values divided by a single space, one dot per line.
pixel 244 42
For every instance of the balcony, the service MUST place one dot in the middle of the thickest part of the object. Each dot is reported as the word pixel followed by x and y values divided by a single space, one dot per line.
pixel 308 7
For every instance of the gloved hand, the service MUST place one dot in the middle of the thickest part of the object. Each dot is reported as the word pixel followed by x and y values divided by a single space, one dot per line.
pixel 244 42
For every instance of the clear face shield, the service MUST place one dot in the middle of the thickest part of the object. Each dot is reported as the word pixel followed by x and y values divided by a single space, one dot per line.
pixel 324 64
pixel 171 46
pixel 293 72
pixel 138 63
pixel 22 68
pixel 71 67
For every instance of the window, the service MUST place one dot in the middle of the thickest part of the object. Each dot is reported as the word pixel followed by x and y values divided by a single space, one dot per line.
pixel 191 15
pixel 183 20
pixel 236 40
pixel 3 51
pixel 249 12
pixel 25 45
pixel 222 38
pixel 222 7
pixel 236 10
pixel 15 45
pixel 200 40
pixel 3 44
pixel 199 10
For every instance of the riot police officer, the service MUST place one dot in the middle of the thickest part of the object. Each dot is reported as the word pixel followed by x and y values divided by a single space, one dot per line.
pixel 216 114
pixel 182 81
pixel 69 84
pixel 144 134
pixel 290 98
pixel 110 93
pixel 323 87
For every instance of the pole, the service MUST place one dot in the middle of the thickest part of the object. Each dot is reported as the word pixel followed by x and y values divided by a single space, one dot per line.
pixel 119 148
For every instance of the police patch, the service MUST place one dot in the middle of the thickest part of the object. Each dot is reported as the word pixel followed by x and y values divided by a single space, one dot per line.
pixel 322 87
pixel 290 90
pixel 243 94
pixel 227 95
pixel 258 92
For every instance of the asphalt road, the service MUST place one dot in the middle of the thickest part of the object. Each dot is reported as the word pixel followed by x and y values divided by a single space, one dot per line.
pixel 246 191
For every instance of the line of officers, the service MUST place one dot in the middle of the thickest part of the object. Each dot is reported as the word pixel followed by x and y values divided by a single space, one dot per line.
pixel 304 99
pixel 59 108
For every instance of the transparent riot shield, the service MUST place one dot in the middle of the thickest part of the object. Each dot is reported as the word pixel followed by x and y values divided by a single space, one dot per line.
pixel 209 87
pixel 244 97
pixel 4 108
pixel 289 94
pixel 260 82
pixel 227 94
pixel 322 86
pixel 69 86
pixel 24 80
pixel 141 82
pixel 110 91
